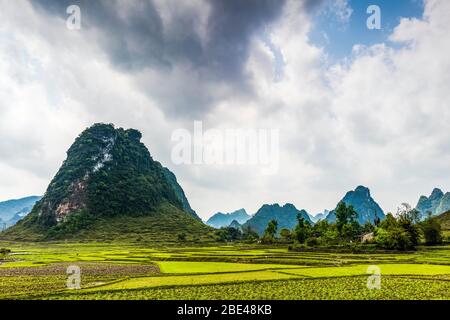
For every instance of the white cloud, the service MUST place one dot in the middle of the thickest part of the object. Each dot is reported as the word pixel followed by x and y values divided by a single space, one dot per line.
pixel 341 9
pixel 379 119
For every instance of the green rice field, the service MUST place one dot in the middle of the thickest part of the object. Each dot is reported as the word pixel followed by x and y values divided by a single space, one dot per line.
pixel 138 271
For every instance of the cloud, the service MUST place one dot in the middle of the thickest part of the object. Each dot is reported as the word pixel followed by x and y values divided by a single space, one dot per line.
pixel 206 40
pixel 342 10
pixel 378 118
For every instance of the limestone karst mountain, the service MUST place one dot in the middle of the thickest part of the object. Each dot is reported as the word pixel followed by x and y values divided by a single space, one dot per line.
pixel 220 220
pixel 11 211
pixel 363 204
pixel 286 216
pixel 437 203
pixel 110 185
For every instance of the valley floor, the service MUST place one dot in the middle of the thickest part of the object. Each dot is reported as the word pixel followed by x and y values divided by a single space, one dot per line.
pixel 125 271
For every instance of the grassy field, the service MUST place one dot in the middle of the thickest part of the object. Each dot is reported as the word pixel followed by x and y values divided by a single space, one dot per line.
pixel 139 271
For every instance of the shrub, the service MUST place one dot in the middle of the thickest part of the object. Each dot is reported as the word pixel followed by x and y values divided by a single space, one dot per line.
pixel 4 252
pixel 285 234
pixel 312 242
pixel 394 238
pixel 432 231
pixel 181 237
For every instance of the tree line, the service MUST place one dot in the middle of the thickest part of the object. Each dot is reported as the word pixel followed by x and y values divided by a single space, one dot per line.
pixel 403 231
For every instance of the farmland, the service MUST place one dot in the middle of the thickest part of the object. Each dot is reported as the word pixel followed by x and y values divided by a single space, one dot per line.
pixel 140 271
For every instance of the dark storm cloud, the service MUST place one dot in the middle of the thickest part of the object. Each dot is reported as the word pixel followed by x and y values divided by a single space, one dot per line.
pixel 310 5
pixel 138 41
pixel 134 37
pixel 231 25
pixel 131 43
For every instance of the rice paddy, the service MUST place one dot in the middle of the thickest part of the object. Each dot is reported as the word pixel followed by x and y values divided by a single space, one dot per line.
pixel 138 271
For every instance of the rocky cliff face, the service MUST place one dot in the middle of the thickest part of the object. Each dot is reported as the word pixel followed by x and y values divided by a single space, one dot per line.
pixel 364 205
pixel 444 204
pixel 436 203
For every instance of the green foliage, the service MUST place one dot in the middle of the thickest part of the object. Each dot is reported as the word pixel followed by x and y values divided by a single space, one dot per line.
pixel 302 230
pixel 411 229
pixel 432 231
pixel 249 234
pixel 313 242
pixel 74 222
pixel 4 252
pixel 108 173
pixel 344 215
pixel 325 233
pixel 346 222
pixel 132 183
pixel 285 234
pixel 398 234
pixel 394 238
pixel 161 226
pixel 181 237
pixel 226 234
pixel 407 213
pixel 368 227
pixel 271 229
pixel 388 222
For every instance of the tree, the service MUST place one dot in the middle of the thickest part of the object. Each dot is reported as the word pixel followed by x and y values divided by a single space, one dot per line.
pixel 285 234
pixel 271 229
pixel 408 219
pixel 303 229
pixel 350 231
pixel 376 220
pixel 249 234
pixel 407 212
pixel 228 234
pixel 394 238
pixel 368 227
pixel 4 252
pixel 181 237
pixel 346 221
pixel 388 222
pixel 432 230
pixel 399 233
pixel 320 228
pixel 324 232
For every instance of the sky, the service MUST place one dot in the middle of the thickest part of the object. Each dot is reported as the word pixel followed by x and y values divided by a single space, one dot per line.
pixel 352 106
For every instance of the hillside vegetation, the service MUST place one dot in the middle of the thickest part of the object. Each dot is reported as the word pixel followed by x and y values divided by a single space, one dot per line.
pixel 110 187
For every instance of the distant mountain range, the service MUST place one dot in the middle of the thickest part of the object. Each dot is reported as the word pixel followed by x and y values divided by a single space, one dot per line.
pixel 236 225
pixel 437 203
pixel 286 216
pixel 360 198
pixel 220 220
pixel 319 216
pixel 11 211
pixel 364 205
